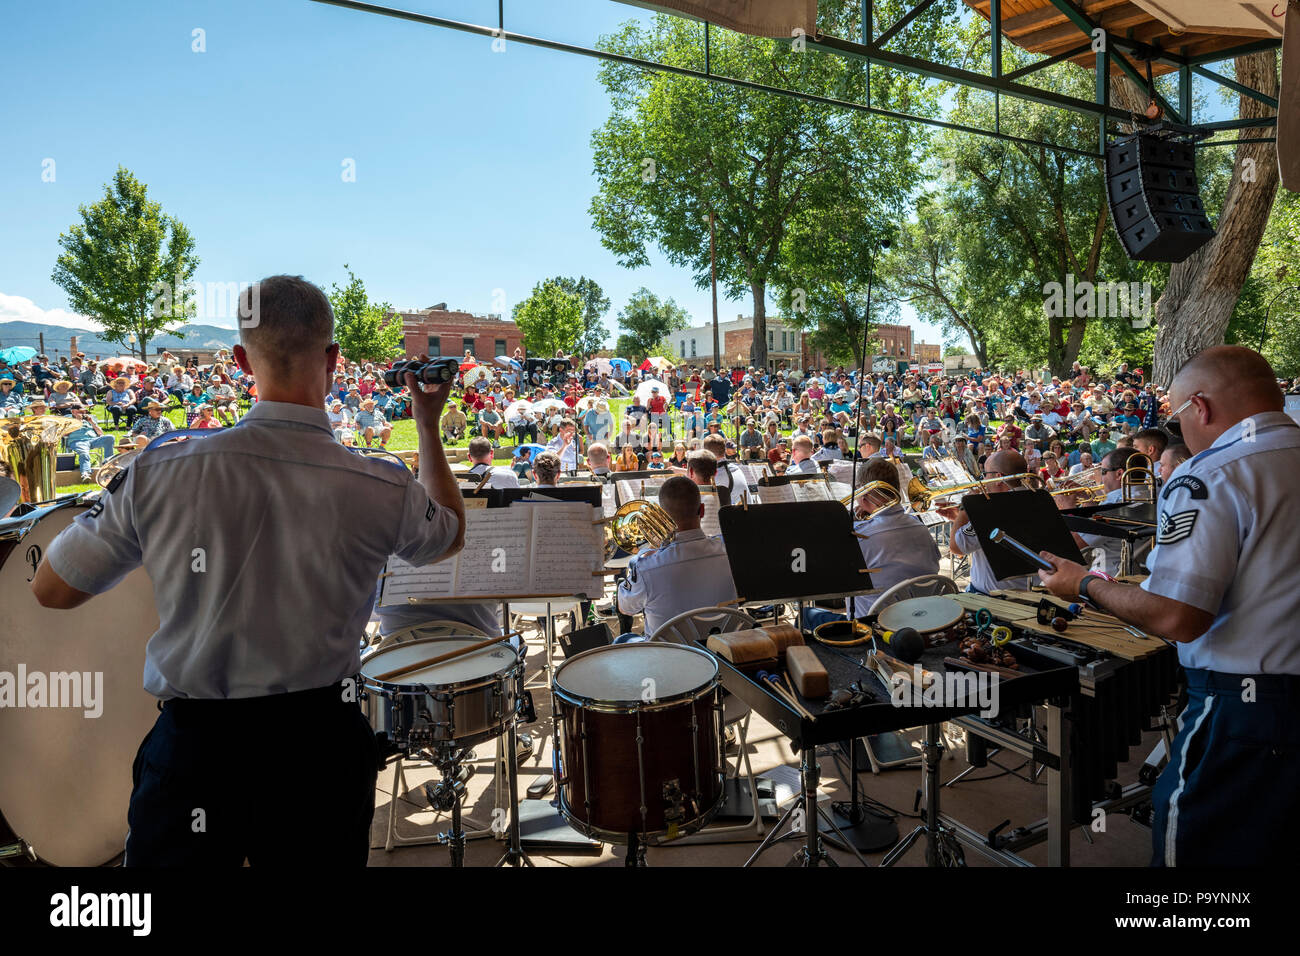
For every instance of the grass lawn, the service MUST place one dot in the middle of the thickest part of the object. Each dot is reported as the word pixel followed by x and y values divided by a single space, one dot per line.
pixel 404 438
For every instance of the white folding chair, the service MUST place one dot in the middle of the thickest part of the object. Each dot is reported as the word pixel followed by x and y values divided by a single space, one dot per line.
pixel 925 585
pixel 689 628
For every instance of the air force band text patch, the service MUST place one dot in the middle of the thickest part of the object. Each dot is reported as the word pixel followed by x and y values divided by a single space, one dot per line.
pixel 1176 527
pixel 1198 489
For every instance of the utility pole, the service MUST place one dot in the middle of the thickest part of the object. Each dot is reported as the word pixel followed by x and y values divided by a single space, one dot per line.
pixel 713 278
pixel 42 341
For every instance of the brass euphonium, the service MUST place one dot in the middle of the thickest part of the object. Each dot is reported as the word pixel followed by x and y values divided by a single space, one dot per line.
pixel 638 523
pixel 923 499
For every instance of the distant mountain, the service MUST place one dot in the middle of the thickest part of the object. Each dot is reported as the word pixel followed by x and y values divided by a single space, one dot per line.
pixel 57 339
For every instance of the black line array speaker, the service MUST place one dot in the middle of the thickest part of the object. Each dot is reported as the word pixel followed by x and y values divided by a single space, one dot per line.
pixel 1154 198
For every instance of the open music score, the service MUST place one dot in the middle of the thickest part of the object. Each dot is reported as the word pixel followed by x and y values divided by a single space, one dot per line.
pixel 785 490
pixel 630 489
pixel 538 548
pixel 841 472
pixel 709 523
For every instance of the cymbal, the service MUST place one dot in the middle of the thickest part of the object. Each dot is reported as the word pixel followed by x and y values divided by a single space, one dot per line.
pixel 925 614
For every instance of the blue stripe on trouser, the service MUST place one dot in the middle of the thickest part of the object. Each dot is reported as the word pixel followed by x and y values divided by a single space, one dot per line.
pixel 1230 795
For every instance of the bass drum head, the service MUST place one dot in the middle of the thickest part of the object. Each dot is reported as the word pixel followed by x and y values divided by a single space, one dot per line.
pixel 618 673
pixel 65 778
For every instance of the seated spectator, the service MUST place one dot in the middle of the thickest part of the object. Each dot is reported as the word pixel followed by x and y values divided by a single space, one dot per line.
pixel 490 423
pixel 86 439
pixel 206 418
pixel 453 424
pixel 152 424
pixel 371 424
pixel 120 400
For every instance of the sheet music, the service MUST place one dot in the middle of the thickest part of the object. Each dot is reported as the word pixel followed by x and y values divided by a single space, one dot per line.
pixel 752 473
pixel 709 523
pixel 569 547
pixel 609 500
pixel 406 581
pixel 811 490
pixel 842 471
pixel 633 488
pixel 777 494
pixel 497 556
pixel 840 490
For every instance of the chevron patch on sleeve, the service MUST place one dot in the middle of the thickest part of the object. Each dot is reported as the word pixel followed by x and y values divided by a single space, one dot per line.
pixel 1176 527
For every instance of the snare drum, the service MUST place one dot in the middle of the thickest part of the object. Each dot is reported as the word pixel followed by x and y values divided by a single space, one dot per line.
pixel 639 742
pixel 463 701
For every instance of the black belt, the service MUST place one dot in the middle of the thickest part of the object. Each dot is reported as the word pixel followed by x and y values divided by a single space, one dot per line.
pixel 268 706
pixel 1272 684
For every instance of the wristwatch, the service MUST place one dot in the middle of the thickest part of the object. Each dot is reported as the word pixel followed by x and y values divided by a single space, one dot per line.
pixel 1083 587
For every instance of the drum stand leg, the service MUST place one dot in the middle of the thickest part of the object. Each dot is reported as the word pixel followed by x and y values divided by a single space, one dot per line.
pixel 393 838
pixel 514 855
pixel 804 813
pixel 941 845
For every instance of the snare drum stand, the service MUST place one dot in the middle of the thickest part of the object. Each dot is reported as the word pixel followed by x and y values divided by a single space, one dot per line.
pixel 942 848
pixel 514 855
pixel 446 795
pixel 806 809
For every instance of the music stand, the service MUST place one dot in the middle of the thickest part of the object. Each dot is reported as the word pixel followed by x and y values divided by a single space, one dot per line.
pixel 802 551
pixel 1031 517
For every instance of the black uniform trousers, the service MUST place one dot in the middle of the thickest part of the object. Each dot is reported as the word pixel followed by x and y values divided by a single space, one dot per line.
pixel 282 780
pixel 1230 795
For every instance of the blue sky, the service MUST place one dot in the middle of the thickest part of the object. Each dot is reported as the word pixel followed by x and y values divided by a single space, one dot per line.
pixel 473 168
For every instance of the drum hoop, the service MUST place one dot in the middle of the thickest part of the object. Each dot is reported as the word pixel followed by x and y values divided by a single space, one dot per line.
pixel 593 702
pixel 961 613
pixel 423 687
pixel 601 706
pixel 619 837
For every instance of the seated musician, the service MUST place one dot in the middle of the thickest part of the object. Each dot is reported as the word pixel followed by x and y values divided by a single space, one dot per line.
pixel 598 461
pixel 1172 457
pixel 1107 549
pixel 1151 442
pixel 689 572
pixel 963 538
pixel 801 457
pixel 893 541
pixel 480 453
pixel 729 474
pixel 546 470
pixel 269 634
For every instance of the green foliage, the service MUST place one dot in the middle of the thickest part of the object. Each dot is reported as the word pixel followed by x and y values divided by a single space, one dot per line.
pixel 768 167
pixel 594 306
pixel 550 319
pixel 128 266
pixel 1272 292
pixel 647 322
pixel 365 331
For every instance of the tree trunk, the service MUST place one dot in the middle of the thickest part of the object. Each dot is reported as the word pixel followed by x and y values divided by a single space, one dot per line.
pixel 1193 312
pixel 758 350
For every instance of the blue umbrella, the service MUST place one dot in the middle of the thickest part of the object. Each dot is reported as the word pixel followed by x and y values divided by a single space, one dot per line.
pixel 620 365
pixel 508 362
pixel 533 450
pixel 17 353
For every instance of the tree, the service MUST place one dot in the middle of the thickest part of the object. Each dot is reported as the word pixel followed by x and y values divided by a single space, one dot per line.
pixel 1273 300
pixel 115 269
pixel 676 149
pixel 647 322
pixel 550 319
pixel 366 331
pixel 594 306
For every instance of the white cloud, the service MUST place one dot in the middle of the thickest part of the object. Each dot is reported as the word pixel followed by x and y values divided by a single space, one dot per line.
pixel 15 308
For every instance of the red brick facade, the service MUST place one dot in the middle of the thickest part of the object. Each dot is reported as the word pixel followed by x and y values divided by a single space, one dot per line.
pixel 895 341
pixel 451 333
pixel 927 353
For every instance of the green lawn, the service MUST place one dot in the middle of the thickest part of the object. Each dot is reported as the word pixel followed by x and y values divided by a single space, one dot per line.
pixel 404 438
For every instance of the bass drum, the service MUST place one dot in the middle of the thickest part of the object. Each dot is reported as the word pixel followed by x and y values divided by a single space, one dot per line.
pixel 65 778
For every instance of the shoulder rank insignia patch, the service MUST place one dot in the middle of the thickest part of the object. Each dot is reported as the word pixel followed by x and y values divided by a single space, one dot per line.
pixel 1197 487
pixel 430 511
pixel 1176 527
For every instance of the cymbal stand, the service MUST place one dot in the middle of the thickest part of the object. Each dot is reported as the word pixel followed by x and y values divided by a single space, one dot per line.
pixel 942 847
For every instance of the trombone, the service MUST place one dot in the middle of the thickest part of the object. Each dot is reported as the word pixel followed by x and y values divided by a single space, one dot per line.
pixel 923 499
pixel 1138 482
pixel 872 498
pixel 1088 494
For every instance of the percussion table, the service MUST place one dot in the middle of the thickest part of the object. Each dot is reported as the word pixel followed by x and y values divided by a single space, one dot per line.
pixel 1042 682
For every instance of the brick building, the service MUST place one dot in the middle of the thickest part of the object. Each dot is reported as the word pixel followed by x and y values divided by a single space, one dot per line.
pixel 736 340
pixel 440 331
pixel 927 353
pixel 895 341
